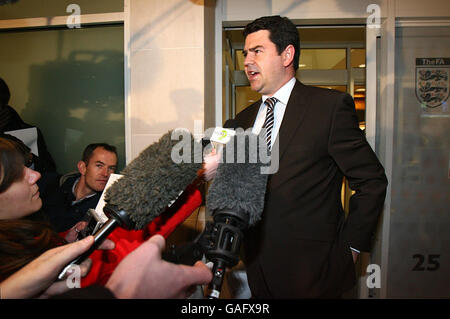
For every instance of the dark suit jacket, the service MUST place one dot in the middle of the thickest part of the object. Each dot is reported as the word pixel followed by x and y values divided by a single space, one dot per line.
pixel 301 248
pixel 57 204
pixel 11 121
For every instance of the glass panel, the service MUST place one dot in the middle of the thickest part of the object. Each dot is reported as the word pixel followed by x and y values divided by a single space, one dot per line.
pixel 323 59
pixel 50 8
pixel 341 88
pixel 359 96
pixel 419 236
pixel 239 60
pixel 69 83
pixel 244 97
pixel 317 59
pixel 358 58
pixel 332 35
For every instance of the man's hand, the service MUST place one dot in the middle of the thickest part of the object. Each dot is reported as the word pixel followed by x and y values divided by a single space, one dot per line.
pixel 210 164
pixel 72 236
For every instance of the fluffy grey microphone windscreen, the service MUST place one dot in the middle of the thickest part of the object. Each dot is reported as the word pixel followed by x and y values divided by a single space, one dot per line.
pixel 156 177
pixel 239 184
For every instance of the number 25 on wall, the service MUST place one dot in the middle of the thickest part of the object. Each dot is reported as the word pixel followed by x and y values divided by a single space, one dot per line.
pixel 431 265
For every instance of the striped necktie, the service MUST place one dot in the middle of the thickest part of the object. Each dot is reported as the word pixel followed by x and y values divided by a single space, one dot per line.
pixel 268 123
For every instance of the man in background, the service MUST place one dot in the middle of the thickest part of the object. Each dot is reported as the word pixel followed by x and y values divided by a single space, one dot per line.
pixel 69 201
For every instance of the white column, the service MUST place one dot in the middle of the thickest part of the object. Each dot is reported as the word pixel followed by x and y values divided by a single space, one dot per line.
pixel 165 55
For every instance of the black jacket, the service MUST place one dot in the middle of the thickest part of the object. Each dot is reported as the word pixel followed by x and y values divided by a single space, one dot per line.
pixel 11 121
pixel 301 247
pixel 58 208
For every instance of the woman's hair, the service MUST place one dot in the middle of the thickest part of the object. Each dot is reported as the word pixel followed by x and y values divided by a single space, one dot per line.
pixel 12 160
pixel 21 240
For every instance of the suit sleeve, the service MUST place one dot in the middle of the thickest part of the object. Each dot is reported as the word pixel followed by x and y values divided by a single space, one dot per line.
pixel 365 174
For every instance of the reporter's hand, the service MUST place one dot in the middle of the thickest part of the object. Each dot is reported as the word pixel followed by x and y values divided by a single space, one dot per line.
pixel 355 256
pixel 72 235
pixel 38 277
pixel 61 286
pixel 143 274
pixel 210 164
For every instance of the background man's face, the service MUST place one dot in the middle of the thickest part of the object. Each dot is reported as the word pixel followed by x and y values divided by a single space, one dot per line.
pixel 263 65
pixel 98 169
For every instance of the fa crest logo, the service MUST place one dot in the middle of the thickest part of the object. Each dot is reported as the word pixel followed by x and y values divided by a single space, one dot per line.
pixel 432 81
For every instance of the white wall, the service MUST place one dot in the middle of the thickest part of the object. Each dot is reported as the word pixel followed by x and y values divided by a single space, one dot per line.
pixel 422 9
pixel 166 56
pixel 169 51
pixel 238 10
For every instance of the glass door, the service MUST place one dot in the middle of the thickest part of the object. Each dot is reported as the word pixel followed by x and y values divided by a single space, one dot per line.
pixel 419 236
pixel 330 57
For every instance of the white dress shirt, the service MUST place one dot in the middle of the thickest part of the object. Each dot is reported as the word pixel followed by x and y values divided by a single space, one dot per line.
pixel 282 96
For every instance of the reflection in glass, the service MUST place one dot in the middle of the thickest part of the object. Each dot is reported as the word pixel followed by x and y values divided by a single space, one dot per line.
pixel 68 82
pixel 323 59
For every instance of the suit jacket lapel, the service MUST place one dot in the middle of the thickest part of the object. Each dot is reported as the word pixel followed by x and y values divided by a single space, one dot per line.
pixel 295 111
pixel 249 120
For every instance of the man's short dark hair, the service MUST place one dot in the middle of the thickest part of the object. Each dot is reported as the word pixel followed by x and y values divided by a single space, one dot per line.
pixel 282 33
pixel 87 153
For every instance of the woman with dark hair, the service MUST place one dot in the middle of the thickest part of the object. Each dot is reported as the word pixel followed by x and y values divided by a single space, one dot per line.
pixel 22 240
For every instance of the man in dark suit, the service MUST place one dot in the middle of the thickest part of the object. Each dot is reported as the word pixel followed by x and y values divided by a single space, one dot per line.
pixel 304 246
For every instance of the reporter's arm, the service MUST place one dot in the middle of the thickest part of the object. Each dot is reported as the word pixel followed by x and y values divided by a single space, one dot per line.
pixel 39 275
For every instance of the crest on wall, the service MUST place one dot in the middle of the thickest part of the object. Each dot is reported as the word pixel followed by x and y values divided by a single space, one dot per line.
pixel 432 85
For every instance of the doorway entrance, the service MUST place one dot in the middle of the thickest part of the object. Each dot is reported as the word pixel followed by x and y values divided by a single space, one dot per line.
pixel 332 57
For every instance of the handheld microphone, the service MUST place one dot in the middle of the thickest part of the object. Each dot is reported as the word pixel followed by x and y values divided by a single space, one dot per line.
pixel 220 135
pixel 236 200
pixel 151 183
pixel 213 143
